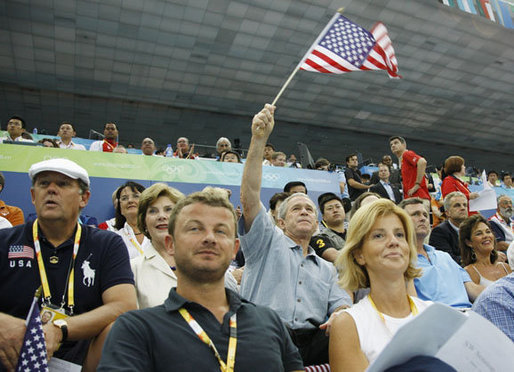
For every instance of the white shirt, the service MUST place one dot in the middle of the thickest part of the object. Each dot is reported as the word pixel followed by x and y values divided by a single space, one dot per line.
pixel 17 139
pixel 389 190
pixel 4 223
pixel 72 146
pixel 99 146
pixel 129 238
pixel 374 334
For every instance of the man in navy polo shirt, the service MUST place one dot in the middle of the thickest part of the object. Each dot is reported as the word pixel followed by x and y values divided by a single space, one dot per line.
pixel 201 326
pixel 84 272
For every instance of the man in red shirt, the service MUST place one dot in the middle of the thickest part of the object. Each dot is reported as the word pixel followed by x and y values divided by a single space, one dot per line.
pixel 413 169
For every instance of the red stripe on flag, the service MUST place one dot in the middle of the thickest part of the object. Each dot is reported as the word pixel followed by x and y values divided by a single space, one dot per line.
pixel 330 61
pixel 315 66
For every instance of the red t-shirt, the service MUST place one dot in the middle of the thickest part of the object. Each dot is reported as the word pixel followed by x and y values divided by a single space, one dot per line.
pixel 409 173
pixel 451 184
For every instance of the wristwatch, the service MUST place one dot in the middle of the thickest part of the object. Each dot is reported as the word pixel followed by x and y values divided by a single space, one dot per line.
pixel 63 326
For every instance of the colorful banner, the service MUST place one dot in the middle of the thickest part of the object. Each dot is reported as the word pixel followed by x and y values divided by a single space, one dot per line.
pixel 107 171
pixel 499 11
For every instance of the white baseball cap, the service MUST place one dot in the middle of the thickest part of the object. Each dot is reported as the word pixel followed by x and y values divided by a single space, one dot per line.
pixel 63 166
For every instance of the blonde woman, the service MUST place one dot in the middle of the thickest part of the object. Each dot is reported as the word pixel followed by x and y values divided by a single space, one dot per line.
pixel 379 253
pixel 154 270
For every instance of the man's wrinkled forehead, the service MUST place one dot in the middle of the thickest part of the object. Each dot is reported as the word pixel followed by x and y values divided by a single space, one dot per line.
pixel 300 198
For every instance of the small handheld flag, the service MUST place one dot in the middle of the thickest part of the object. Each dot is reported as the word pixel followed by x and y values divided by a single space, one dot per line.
pixel 33 351
pixel 344 46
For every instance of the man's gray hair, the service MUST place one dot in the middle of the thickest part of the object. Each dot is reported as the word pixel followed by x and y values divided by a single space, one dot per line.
pixel 448 199
pixel 221 139
pixel 282 210
pixel 502 196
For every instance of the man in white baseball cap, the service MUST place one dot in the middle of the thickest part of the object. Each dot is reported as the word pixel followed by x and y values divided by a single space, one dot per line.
pixel 84 272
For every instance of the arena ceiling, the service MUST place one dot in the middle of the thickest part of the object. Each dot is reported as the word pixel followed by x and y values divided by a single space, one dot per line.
pixel 202 68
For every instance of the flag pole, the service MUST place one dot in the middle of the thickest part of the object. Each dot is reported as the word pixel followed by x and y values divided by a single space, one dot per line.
pixel 339 11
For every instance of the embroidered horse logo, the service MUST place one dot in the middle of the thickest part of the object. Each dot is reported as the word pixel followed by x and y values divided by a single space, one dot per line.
pixel 89 274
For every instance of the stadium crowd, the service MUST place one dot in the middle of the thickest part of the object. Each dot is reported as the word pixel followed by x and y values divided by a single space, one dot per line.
pixel 323 283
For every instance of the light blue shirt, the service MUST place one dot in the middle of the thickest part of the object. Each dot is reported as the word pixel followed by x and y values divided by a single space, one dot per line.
pixel 389 190
pixel 443 279
pixel 342 178
pixel 277 275
pixel 496 304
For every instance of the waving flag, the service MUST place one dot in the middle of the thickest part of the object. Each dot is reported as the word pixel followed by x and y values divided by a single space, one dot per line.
pixel 344 46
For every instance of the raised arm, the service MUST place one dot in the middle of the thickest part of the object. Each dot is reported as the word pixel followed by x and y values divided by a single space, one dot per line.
pixel 262 126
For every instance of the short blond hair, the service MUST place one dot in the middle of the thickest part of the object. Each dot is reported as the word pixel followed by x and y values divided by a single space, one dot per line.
pixel 148 196
pixel 211 196
pixel 353 276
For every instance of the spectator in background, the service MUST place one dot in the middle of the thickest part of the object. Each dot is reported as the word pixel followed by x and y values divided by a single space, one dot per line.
pixel 353 177
pixel 507 181
pixel 231 157
pixel 222 145
pixel 11 213
pixel 292 162
pixel 120 149
pixel 49 142
pixel 160 151
pixel 384 188
pixel 324 165
pixel 445 236
pixel 502 223
pixel 275 202
pixel 295 186
pixel 67 132
pixel 394 174
pixel 148 146
pixel 278 159
pixel 109 224
pixel 455 170
pixel 366 198
pixel 496 304
pixel 479 257
pixel 492 178
pixel 183 150
pixel 332 226
pixel 366 178
pixel 110 141
pixel 413 169
pixel 268 152
pixel 27 136
pixel 443 279
pixel 15 128
pixel 127 202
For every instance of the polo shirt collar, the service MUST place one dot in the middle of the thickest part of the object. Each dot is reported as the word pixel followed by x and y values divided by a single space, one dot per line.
pixel 44 240
pixel 176 301
pixel 311 254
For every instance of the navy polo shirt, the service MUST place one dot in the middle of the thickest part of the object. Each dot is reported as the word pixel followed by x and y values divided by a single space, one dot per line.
pixel 159 339
pixel 102 262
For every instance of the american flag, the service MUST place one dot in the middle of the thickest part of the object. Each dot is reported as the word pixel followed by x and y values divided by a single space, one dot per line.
pixel 344 46
pixel 33 351
pixel 20 251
